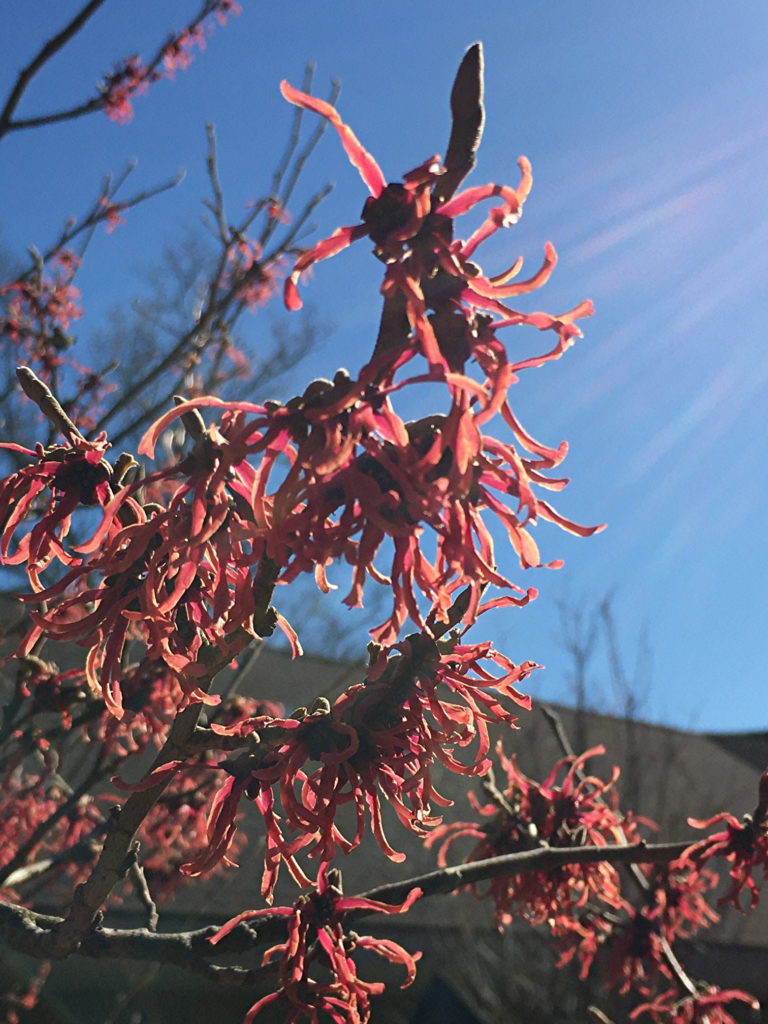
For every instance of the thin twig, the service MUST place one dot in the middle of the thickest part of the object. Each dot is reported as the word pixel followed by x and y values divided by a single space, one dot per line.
pixel 97 102
pixel 44 54
pixel 217 205
pixel 137 876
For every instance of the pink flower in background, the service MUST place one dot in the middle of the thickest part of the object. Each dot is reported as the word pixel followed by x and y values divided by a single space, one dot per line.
pixel 37 310
pixel 112 214
pixel 177 54
pixel 225 9
pixel 129 79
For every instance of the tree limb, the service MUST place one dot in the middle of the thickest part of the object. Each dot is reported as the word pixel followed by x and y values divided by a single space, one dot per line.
pixel 44 54
pixel 43 935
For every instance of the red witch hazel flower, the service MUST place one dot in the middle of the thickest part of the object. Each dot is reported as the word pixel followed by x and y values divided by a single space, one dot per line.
pixel 49 691
pixel 378 740
pixel 225 8
pixel 129 79
pixel 675 906
pixel 743 843
pixel 527 815
pixel 412 232
pixel 74 475
pixel 317 941
pixel 177 54
pixel 112 213
pixel 151 698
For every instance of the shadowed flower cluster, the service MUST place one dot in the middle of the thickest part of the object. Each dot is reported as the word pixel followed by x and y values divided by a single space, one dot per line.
pixel 567 809
pixel 318 943
pixel 633 947
pixel 744 844
pixel 708 1007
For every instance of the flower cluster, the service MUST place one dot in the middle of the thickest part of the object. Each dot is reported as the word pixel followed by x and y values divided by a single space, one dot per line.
pixel 59 480
pixel 177 577
pixel 48 691
pixel 567 809
pixel 112 214
pixel 583 905
pixel 177 54
pixel 37 310
pixel 129 79
pixel 336 474
pixel 744 844
pixel 28 804
pixel 317 939
pixel 151 696
pixel 351 474
pixel 633 946
pixel 253 278
pixel 378 740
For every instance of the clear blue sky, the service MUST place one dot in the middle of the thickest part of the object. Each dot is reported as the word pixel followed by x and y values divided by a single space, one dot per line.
pixel 647 130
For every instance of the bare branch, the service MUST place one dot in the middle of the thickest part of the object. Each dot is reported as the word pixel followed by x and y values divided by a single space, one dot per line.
pixel 217 205
pixel 149 72
pixel 137 876
pixel 40 935
pixel 547 858
pixel 44 54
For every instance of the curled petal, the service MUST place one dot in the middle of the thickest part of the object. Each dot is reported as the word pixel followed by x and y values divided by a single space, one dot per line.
pixel 361 903
pixel 540 278
pixel 151 437
pixel 290 634
pixel 358 155
pixel 547 512
pixel 323 250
